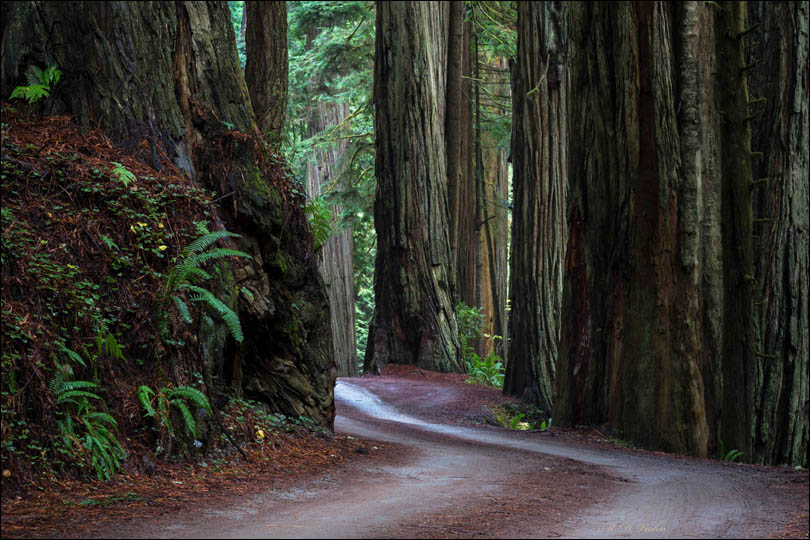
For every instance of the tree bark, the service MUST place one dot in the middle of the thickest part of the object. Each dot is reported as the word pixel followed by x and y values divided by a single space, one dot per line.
pixel 657 293
pixel 414 321
pixel 539 159
pixel 162 79
pixel 780 131
pixel 266 64
pixel 336 258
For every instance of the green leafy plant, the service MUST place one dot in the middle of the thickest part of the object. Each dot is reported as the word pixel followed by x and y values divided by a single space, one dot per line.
pixel 85 432
pixel 319 216
pixel 40 84
pixel 488 370
pixel 124 175
pixel 469 329
pixel 159 406
pixel 731 455
pixel 186 275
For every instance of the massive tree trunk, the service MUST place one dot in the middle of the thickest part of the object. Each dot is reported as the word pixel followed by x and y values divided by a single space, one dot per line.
pixel 539 159
pixel 266 64
pixel 658 334
pixel 414 321
pixel 336 258
pixel 163 80
pixel 781 221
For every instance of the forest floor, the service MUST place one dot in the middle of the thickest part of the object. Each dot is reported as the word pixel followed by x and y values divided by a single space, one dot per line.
pixel 411 458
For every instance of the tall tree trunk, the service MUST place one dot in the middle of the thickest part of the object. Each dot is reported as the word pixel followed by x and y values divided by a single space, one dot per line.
pixel 452 131
pixel 336 258
pixel 495 230
pixel 539 158
pixel 781 133
pixel 266 64
pixel 657 291
pixel 162 78
pixel 414 321
pixel 461 180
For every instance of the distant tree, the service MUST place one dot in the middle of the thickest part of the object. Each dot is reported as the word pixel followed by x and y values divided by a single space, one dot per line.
pixel 323 177
pixel 414 321
pixel 539 159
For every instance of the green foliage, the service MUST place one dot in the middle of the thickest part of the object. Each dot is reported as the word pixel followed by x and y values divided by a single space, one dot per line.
pixel 331 60
pixel 158 406
pixel 237 10
pixel 519 417
pixel 85 433
pixel 185 276
pixel 123 174
pixel 731 455
pixel 40 84
pixel 469 320
pixel 319 216
pixel 487 370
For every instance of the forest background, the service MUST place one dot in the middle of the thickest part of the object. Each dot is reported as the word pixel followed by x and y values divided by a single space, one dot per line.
pixel 518 258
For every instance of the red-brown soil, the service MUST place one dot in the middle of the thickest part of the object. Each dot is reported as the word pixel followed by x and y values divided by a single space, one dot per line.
pixel 443 485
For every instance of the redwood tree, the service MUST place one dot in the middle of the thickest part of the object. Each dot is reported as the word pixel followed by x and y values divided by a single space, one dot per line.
pixel 539 158
pixel 414 321
pixel 778 49
pixel 266 63
pixel 335 259
pixel 657 301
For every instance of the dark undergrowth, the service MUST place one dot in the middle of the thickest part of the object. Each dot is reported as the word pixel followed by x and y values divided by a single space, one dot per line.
pixel 89 232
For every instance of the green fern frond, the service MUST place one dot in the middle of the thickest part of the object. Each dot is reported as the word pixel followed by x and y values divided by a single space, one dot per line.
pixel 107 344
pixel 227 314
pixel 183 309
pixel 192 271
pixel 220 253
pixel 70 395
pixel 188 418
pixel 101 417
pixel 51 76
pixel 34 76
pixel 200 244
pixel 247 293
pixel 191 394
pixel 145 396
pixel 61 387
pixel 124 175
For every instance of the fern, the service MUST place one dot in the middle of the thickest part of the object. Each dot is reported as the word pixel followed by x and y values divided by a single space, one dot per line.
pixel 227 314
pixel 40 84
pixel 191 394
pixel 98 443
pixel 124 175
pixel 188 274
pixel 319 216
pixel 145 396
pixel 183 309
pixel 188 419
pixel 177 397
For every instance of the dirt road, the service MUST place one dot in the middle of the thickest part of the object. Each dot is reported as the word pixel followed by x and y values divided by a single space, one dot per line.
pixel 461 481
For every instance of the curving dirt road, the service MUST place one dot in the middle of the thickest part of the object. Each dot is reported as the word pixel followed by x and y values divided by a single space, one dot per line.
pixel 488 482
